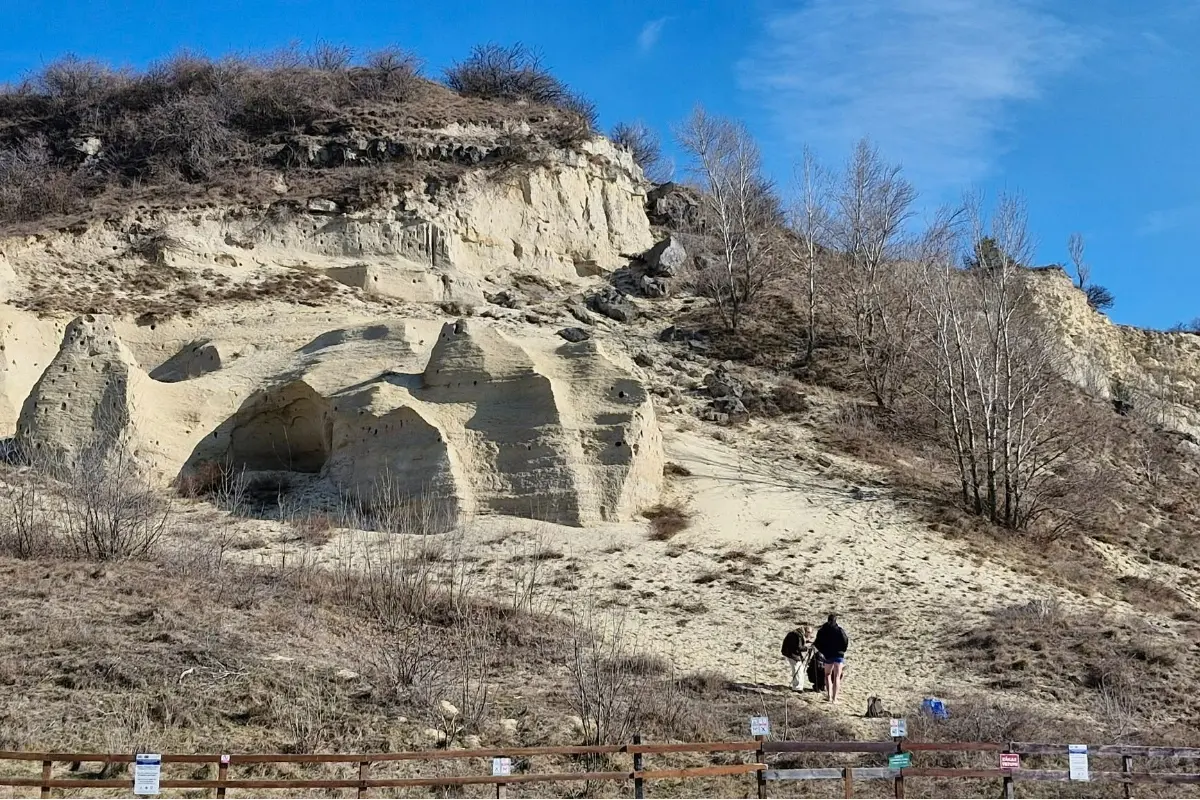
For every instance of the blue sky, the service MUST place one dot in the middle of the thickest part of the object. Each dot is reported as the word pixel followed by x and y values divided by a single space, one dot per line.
pixel 1090 109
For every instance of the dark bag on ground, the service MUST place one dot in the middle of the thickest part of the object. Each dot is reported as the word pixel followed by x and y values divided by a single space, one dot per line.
pixel 816 672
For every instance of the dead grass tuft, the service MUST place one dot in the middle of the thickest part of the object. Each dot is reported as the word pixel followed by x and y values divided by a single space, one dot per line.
pixel 1118 669
pixel 667 520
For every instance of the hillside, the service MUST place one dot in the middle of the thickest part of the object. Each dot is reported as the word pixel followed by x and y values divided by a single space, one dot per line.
pixel 422 399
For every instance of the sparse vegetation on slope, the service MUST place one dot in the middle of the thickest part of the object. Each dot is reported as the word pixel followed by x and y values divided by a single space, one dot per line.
pixel 82 135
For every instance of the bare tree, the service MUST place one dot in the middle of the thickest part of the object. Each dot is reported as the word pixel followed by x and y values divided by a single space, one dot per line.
pixel 1098 297
pixel 1083 271
pixel 741 205
pixel 996 386
pixel 812 224
pixel 605 693
pixel 872 204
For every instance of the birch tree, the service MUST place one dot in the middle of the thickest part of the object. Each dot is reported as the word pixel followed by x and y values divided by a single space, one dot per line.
pixel 995 386
pixel 812 223
pixel 741 208
pixel 871 205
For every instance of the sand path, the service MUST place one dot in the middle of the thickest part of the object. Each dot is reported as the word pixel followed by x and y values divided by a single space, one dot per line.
pixel 772 545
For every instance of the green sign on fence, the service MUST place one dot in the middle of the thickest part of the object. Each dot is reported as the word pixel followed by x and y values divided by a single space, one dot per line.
pixel 900 761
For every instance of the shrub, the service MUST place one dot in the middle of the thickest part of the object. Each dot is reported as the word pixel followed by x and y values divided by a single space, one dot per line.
pixel 110 508
pixel 97 505
pixel 642 143
pixel 72 83
pixel 666 520
pixel 31 185
pixel 390 74
pixel 496 72
pixel 1099 297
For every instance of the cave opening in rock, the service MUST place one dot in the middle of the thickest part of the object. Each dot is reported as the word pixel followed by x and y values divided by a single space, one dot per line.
pixel 288 429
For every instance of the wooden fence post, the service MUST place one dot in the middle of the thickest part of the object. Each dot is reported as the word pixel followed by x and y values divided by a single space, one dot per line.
pixel 639 789
pixel 1127 768
pixel 47 772
pixel 899 740
pixel 364 769
pixel 222 776
pixel 762 776
pixel 848 781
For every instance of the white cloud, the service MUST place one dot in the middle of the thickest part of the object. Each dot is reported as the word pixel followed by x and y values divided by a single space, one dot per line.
pixel 650 34
pixel 930 81
pixel 1169 219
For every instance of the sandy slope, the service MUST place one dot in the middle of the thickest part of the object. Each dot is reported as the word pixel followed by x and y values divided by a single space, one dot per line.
pixel 808 547
pixel 772 544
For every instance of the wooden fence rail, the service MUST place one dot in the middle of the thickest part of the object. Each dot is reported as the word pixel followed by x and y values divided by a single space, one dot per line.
pixel 759 751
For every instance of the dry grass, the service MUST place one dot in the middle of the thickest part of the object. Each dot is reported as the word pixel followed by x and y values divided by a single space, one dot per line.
pixel 1121 671
pixel 673 470
pixel 171 294
pixel 191 129
pixel 667 520
pixel 191 647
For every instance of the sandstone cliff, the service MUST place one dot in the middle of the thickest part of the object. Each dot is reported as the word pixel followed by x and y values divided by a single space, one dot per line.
pixel 569 214
pixel 467 415
pixel 1157 374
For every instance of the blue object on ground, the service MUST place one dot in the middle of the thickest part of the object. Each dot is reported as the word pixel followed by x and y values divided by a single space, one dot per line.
pixel 935 708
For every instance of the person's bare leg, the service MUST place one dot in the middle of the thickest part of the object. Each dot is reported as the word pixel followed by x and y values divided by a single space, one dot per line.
pixel 836 681
pixel 829 694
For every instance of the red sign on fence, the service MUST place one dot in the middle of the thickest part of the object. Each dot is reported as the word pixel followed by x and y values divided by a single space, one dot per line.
pixel 1010 761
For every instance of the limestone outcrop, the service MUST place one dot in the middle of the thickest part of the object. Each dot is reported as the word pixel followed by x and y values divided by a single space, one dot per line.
pixel 91 399
pixel 1156 374
pixel 462 413
pixel 568 215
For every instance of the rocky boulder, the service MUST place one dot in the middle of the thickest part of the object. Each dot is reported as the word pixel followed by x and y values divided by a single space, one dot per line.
pixel 653 287
pixel 665 259
pixel 612 303
pixel 574 334
pixel 503 298
pixel 673 206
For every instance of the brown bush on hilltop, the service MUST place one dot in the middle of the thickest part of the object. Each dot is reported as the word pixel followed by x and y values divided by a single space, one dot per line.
pixel 80 131
pixel 516 72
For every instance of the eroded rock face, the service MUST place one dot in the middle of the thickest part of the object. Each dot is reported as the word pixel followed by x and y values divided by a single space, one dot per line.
pixel 193 360
pixel 1153 373
pixel 390 412
pixel 86 400
pixel 569 216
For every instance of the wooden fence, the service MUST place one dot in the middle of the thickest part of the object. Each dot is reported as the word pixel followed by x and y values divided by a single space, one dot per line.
pixel 758 767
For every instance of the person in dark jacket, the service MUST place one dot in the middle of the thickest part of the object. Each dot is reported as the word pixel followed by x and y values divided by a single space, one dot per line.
pixel 797 649
pixel 832 643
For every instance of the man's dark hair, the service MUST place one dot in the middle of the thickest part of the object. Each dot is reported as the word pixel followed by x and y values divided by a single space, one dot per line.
pixel 832 619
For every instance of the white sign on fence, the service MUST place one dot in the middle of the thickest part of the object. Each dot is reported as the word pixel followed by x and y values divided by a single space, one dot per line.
pixel 1077 758
pixel 899 728
pixel 147 770
pixel 501 767
pixel 760 726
